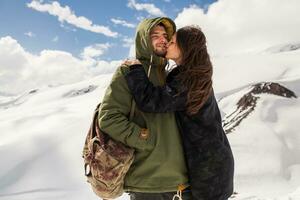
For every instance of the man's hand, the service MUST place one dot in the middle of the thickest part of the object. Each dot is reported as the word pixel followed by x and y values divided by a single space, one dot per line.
pixel 131 62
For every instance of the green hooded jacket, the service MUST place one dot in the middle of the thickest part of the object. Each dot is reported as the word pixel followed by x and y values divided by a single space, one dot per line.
pixel 159 164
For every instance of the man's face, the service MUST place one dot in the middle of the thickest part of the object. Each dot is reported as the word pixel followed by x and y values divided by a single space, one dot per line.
pixel 159 40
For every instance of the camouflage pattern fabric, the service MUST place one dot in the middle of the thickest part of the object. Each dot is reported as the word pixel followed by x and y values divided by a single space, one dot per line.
pixel 106 161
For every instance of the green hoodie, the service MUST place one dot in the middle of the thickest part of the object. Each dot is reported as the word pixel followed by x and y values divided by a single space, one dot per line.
pixel 159 164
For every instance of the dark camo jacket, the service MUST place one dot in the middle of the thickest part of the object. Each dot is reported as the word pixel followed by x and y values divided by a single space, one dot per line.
pixel 207 151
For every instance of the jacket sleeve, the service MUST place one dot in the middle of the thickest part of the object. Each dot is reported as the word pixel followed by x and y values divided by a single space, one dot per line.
pixel 114 114
pixel 150 98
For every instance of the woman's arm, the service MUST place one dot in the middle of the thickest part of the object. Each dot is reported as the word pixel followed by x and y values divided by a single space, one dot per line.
pixel 150 98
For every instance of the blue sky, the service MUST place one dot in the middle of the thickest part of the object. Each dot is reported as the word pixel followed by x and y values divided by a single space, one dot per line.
pixel 37 30
pixel 58 42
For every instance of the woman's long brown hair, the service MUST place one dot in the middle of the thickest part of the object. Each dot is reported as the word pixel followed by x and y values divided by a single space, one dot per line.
pixel 195 67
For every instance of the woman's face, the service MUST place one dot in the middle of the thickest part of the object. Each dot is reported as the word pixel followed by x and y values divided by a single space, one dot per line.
pixel 173 51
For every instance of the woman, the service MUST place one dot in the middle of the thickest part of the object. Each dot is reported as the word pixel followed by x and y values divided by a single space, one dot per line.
pixel 188 91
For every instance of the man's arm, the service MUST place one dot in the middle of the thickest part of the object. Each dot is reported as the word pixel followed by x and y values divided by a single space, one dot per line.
pixel 150 98
pixel 114 114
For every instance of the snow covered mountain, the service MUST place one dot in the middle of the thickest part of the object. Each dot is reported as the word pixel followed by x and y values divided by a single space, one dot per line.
pixel 262 128
pixel 284 48
pixel 248 102
pixel 42 132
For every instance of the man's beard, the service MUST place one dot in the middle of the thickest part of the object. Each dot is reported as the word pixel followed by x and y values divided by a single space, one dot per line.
pixel 160 53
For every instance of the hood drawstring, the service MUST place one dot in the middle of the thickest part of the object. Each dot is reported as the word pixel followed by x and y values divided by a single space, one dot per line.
pixel 150 66
pixel 178 195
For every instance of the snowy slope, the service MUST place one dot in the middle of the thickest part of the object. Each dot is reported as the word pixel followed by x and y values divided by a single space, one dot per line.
pixel 235 72
pixel 283 48
pixel 266 147
pixel 42 133
pixel 42 136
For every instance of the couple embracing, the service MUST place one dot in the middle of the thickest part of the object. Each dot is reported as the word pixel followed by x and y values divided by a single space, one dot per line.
pixel 181 149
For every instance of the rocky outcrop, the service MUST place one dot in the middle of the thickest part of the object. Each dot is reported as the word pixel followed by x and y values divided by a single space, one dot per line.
pixel 248 102
pixel 284 48
pixel 74 93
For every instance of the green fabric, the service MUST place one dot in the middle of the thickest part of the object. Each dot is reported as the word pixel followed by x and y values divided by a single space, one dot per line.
pixel 143 45
pixel 159 164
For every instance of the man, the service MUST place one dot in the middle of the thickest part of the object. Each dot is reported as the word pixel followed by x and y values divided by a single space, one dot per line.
pixel 159 169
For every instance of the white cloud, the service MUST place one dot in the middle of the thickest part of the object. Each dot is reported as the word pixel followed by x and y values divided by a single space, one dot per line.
pixel 150 8
pixel 55 39
pixel 233 26
pixel 95 50
pixel 103 67
pixel 29 34
pixel 67 28
pixel 127 42
pixel 65 14
pixel 49 67
pixel 140 18
pixel 131 53
pixel 12 64
pixel 123 23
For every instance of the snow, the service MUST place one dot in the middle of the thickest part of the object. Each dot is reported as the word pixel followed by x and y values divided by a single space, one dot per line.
pixel 283 47
pixel 232 72
pixel 42 133
pixel 266 147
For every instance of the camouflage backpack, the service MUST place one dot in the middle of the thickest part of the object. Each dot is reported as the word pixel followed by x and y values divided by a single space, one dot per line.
pixel 106 161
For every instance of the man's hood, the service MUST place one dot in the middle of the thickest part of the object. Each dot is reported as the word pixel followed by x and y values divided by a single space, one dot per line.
pixel 143 46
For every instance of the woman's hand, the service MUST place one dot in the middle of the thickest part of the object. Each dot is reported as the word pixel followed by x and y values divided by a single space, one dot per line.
pixel 131 62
